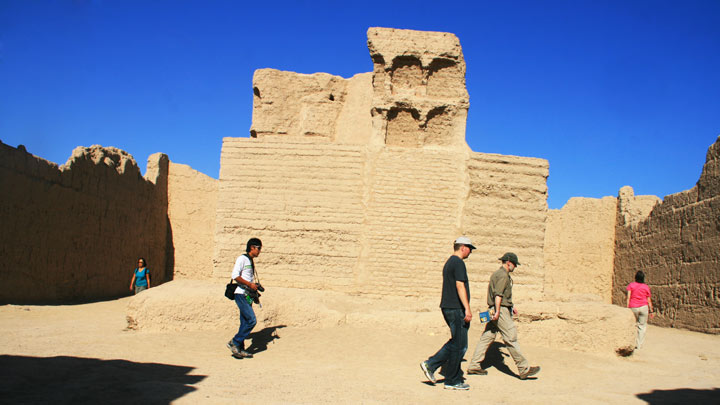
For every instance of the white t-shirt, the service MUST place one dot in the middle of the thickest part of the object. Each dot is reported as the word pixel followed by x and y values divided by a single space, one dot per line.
pixel 244 269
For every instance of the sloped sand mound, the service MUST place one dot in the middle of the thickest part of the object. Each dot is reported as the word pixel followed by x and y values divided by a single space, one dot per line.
pixel 191 305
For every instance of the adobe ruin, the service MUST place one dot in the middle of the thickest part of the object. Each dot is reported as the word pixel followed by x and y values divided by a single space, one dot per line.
pixel 357 187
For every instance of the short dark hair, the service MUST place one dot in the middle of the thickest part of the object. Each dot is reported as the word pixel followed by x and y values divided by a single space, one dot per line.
pixel 639 277
pixel 456 246
pixel 252 242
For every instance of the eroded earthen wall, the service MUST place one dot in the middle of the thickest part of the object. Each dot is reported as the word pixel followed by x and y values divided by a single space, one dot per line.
pixel 374 209
pixel 504 211
pixel 320 105
pixel 579 250
pixel 419 95
pixel 678 248
pixel 192 201
pixel 376 221
pixel 75 232
pixel 303 200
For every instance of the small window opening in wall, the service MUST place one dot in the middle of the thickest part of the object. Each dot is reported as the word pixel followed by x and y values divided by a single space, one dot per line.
pixel 256 91
pixel 332 98
pixel 253 134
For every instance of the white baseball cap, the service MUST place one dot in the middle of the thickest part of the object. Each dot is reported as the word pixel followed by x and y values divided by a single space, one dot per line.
pixel 464 240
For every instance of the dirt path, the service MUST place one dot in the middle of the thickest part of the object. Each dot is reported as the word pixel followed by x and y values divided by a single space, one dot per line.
pixel 83 353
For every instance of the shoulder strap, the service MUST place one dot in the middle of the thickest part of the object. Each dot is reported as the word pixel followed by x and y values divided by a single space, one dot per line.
pixel 252 262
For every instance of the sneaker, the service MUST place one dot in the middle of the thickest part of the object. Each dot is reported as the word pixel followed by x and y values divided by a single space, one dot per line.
pixel 243 355
pixel 529 372
pixel 458 386
pixel 477 371
pixel 428 373
pixel 233 348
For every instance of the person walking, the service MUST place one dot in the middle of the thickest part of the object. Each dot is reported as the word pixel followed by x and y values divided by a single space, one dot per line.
pixel 499 300
pixel 141 277
pixel 640 302
pixel 455 307
pixel 244 274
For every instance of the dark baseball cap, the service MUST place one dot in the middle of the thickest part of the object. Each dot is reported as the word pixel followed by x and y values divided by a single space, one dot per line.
pixel 510 257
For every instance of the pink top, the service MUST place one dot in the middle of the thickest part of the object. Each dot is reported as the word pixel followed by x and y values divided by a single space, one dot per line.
pixel 639 294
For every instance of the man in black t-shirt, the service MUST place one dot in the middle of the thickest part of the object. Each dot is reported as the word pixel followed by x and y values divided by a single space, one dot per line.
pixel 455 306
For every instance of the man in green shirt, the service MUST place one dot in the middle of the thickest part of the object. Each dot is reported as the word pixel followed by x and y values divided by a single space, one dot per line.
pixel 499 300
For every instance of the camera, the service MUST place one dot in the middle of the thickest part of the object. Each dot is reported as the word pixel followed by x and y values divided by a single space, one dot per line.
pixel 260 288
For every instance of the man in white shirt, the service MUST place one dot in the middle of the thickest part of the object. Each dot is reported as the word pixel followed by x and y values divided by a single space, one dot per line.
pixel 244 274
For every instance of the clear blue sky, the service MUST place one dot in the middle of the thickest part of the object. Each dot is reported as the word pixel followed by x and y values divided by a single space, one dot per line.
pixel 612 93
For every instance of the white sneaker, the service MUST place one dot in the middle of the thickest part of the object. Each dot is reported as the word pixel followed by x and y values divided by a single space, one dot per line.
pixel 458 386
pixel 429 374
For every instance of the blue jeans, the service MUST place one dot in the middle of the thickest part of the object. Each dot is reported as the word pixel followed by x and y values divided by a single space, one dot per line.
pixel 247 321
pixel 451 354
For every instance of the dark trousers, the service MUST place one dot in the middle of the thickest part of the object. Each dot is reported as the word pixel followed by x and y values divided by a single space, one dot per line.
pixel 451 354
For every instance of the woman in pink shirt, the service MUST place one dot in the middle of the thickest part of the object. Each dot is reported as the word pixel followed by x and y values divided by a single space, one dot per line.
pixel 638 300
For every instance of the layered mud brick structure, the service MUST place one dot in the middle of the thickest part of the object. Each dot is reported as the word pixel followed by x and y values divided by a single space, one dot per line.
pixel 360 185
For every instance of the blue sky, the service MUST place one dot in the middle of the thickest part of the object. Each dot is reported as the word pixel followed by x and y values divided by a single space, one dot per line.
pixel 612 93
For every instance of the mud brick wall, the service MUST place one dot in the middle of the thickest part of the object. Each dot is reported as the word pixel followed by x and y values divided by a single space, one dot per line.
pixel 303 200
pixel 505 211
pixel 376 221
pixel 580 248
pixel 412 217
pixel 678 248
pixel 192 200
pixel 74 232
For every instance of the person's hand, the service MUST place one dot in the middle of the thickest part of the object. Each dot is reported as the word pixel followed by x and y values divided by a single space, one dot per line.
pixel 253 286
pixel 652 314
pixel 496 316
pixel 468 316
pixel 515 311
pixel 130 288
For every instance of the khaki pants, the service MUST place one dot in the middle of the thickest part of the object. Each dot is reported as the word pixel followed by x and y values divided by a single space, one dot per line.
pixel 508 331
pixel 641 316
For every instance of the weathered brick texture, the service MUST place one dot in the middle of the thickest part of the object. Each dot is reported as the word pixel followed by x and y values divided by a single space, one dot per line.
pixel 302 200
pixel 192 201
pixel 505 211
pixel 357 219
pixel 678 248
pixel 579 249
pixel 75 232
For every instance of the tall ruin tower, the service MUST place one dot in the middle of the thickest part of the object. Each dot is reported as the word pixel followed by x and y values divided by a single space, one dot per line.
pixel 360 185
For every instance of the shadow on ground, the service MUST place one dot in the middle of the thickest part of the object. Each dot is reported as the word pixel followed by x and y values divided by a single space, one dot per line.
pixel 72 380
pixel 261 338
pixel 682 396
pixel 495 358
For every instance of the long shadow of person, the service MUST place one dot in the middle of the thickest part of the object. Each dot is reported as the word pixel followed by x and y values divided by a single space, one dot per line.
pixel 261 338
pixel 493 358
pixel 496 358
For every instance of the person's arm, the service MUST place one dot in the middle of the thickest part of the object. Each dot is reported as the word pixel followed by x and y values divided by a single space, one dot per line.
pixel 498 301
pixel 628 298
pixel 460 285
pixel 147 277
pixel 650 307
pixel 242 281
pixel 132 281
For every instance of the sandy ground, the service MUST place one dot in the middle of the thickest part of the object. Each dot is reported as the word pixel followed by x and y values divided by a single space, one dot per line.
pixel 84 353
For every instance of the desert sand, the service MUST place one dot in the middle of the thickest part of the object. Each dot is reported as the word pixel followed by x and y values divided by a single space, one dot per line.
pixel 85 353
